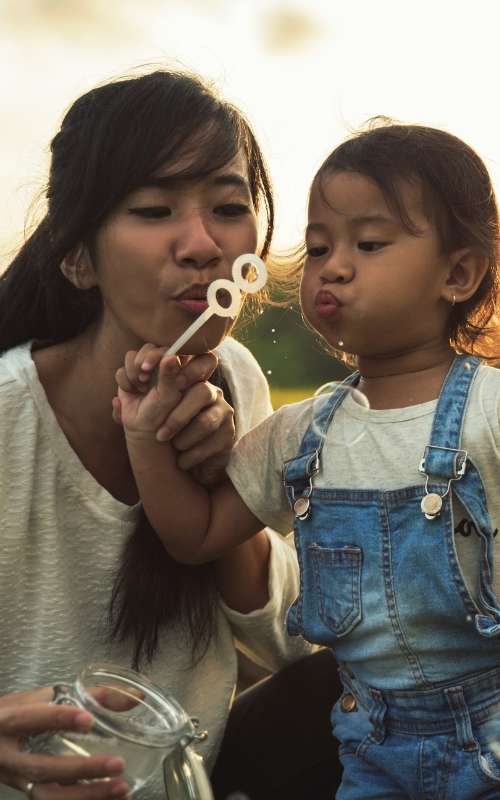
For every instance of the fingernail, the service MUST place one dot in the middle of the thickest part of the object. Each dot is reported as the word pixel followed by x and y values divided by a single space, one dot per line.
pixel 163 435
pixel 84 719
pixel 143 377
pixel 114 766
pixel 120 790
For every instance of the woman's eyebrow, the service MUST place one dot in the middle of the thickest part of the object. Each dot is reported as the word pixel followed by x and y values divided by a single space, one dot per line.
pixel 172 182
pixel 230 179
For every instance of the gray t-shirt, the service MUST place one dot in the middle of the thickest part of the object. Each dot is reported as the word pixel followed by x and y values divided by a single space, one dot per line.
pixel 373 449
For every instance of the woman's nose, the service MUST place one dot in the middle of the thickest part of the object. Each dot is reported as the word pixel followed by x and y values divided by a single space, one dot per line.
pixel 195 245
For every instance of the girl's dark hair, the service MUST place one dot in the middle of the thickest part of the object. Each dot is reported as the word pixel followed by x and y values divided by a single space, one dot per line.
pixel 458 197
pixel 111 140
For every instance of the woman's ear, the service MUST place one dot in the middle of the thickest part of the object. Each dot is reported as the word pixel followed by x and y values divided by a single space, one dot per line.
pixel 77 267
pixel 467 270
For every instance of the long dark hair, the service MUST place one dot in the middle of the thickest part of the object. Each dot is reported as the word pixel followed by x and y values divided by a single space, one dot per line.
pixel 458 196
pixel 112 139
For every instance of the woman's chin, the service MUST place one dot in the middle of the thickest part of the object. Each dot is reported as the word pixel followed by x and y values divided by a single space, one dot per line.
pixel 205 340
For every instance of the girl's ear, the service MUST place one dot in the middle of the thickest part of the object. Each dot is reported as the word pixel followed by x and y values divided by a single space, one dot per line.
pixel 77 267
pixel 467 270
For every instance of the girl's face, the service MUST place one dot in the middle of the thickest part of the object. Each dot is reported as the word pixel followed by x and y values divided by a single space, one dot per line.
pixel 367 282
pixel 155 255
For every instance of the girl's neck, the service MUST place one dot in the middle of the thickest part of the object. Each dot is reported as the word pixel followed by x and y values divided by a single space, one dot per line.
pixel 404 379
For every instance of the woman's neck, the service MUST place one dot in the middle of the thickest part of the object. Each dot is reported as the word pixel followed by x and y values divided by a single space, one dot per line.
pixel 79 380
pixel 404 379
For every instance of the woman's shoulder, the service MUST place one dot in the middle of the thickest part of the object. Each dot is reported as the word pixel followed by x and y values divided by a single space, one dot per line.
pixel 16 367
pixel 234 355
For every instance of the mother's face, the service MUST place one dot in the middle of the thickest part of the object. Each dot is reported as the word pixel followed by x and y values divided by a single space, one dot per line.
pixel 155 255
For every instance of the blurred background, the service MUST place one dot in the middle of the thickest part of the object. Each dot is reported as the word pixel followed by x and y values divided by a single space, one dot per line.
pixel 306 73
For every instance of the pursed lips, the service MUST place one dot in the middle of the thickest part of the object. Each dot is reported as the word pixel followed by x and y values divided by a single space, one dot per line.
pixel 326 304
pixel 194 298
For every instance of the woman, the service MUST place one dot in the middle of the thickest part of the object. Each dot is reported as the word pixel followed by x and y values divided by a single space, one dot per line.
pixel 155 187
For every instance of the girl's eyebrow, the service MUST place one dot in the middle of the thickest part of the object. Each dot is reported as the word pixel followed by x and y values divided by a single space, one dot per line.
pixel 365 219
pixel 354 221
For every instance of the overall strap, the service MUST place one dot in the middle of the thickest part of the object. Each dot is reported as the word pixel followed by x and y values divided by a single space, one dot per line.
pixel 443 457
pixel 298 471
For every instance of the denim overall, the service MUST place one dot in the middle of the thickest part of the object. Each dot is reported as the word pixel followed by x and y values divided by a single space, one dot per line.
pixel 381 585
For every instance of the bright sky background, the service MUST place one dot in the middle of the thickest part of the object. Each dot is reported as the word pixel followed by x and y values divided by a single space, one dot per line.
pixel 305 73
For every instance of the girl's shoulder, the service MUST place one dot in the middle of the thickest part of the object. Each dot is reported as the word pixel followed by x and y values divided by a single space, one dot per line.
pixel 247 384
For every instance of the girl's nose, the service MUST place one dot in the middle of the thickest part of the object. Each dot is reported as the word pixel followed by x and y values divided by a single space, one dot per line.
pixel 195 245
pixel 339 267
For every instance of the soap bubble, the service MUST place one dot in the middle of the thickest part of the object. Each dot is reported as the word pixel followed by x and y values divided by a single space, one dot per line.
pixel 347 428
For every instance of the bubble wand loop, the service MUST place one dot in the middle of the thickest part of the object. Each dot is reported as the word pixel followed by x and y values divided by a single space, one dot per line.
pixel 235 287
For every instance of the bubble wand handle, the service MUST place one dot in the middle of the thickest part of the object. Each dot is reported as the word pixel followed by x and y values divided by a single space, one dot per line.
pixel 189 332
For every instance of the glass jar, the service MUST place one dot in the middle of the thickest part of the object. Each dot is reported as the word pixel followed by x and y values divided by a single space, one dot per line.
pixel 136 721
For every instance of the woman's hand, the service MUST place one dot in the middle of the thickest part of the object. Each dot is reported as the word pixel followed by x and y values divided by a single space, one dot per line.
pixel 196 419
pixel 48 777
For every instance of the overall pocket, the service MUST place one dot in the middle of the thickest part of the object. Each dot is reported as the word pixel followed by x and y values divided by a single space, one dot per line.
pixel 487 755
pixel 337 575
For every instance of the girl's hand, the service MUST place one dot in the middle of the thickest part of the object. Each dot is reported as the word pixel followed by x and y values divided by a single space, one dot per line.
pixel 26 714
pixel 201 427
pixel 143 412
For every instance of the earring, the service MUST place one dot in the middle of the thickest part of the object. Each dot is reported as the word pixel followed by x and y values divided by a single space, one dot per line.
pixel 453 300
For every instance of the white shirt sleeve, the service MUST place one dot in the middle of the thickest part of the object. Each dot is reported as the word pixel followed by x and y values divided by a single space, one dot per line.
pixel 261 633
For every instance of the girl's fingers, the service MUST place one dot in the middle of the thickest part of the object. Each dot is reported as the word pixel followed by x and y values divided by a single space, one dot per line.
pixel 117 410
pixel 133 373
pixel 148 357
pixel 168 392
pixel 212 420
pixel 199 397
pixel 122 380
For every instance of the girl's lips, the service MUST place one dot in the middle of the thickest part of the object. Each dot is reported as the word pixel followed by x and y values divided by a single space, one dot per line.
pixel 326 304
pixel 194 307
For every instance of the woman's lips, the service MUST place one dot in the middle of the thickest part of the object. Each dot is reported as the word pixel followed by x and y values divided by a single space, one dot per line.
pixel 326 304
pixel 194 307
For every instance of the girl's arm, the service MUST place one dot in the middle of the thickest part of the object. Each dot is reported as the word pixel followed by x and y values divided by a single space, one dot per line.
pixel 194 525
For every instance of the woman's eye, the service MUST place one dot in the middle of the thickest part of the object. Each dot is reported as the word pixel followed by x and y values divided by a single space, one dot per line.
pixel 317 252
pixel 151 212
pixel 371 247
pixel 232 210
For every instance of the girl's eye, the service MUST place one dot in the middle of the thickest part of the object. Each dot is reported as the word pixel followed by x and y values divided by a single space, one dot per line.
pixel 151 212
pixel 371 247
pixel 232 210
pixel 317 252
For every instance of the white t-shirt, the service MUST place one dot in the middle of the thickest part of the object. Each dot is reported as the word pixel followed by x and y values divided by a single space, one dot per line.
pixel 62 535
pixel 373 449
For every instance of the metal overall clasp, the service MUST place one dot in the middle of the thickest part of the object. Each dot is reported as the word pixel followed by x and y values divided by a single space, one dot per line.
pixel 432 502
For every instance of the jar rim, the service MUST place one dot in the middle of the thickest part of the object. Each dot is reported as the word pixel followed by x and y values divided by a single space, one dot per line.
pixel 176 722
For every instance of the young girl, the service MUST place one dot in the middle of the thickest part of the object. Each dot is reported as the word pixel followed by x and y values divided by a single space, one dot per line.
pixel 395 507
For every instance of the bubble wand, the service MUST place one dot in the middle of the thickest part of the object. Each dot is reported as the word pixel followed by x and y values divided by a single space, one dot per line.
pixel 235 287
